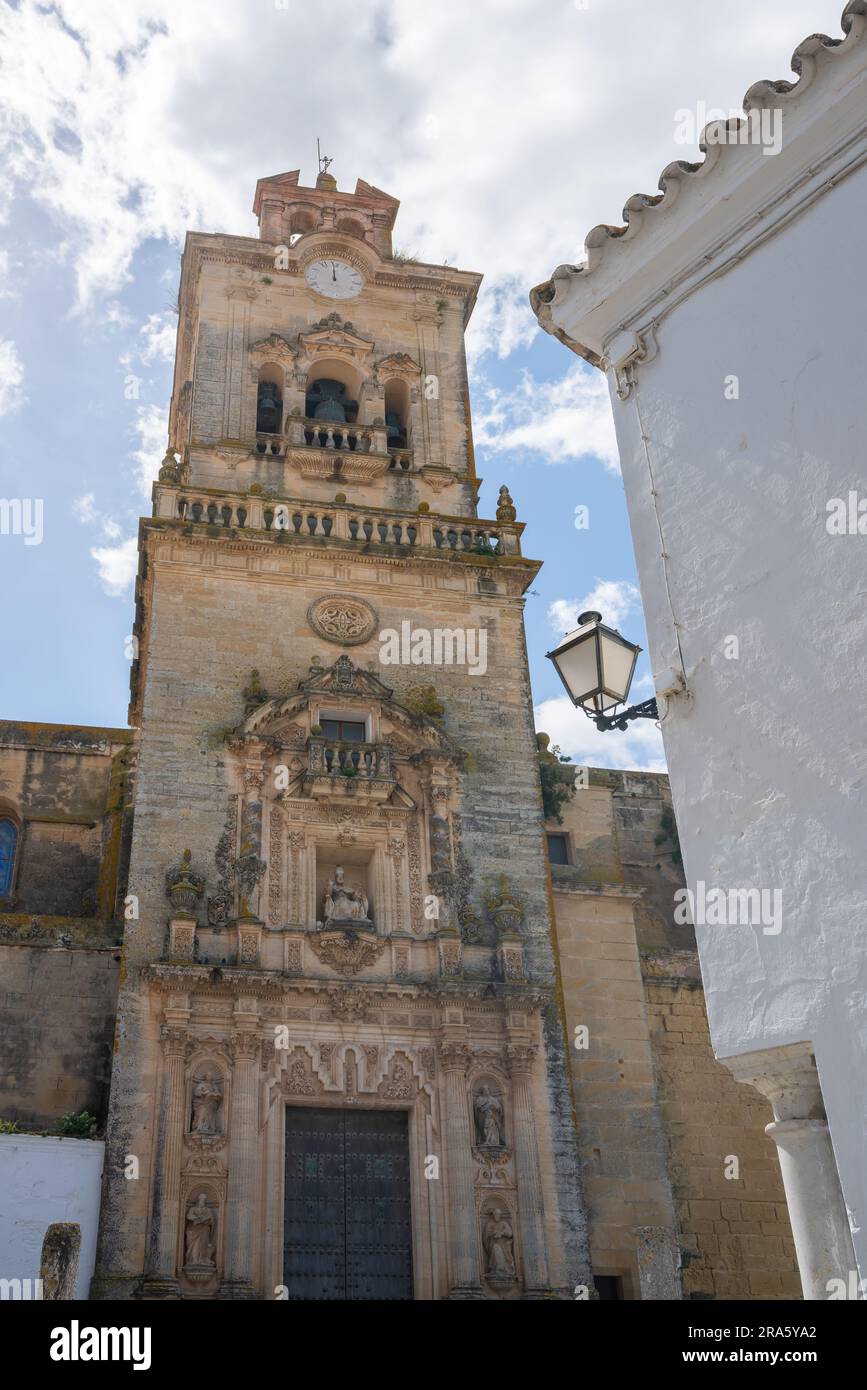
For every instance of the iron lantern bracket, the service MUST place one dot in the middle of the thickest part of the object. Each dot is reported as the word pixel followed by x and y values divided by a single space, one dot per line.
pixel 604 722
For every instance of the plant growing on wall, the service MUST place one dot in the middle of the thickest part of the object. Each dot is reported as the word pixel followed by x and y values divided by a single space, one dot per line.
pixel 80 1126
pixel 557 785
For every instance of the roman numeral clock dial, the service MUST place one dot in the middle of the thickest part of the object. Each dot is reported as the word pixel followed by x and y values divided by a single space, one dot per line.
pixel 334 279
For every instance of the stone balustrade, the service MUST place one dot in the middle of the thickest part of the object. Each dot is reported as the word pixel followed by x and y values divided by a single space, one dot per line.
pixel 322 449
pixel 348 758
pixel 344 522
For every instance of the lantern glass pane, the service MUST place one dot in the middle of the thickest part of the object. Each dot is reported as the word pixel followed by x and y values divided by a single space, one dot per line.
pixel 618 663
pixel 578 666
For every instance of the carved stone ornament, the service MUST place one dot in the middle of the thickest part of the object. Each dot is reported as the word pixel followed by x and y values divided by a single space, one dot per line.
pixel 346 951
pixel 505 506
pixel 493 1167
pixel 182 940
pixel 183 886
pixel 350 1005
pixel 505 911
pixel 345 621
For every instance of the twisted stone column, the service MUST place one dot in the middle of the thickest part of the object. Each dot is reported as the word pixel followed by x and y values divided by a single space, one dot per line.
pixel 167 1180
pixel 817 1210
pixel 530 1209
pixel 242 1207
pixel 462 1225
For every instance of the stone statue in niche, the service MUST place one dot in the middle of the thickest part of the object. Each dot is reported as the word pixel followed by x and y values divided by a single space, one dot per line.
pixel 207 1099
pixel 199 1233
pixel 345 902
pixel 499 1242
pixel 490 1126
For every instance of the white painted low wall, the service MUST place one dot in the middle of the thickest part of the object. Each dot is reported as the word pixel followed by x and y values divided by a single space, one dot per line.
pixel 44 1180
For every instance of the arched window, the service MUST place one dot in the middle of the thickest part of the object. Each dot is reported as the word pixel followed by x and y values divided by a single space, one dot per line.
pixel 8 844
pixel 397 412
pixel 333 390
pixel 301 221
pixel 269 400
pixel 350 226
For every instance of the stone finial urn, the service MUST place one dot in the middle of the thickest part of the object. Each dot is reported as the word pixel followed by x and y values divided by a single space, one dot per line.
pixel 184 887
pixel 170 469
pixel 504 910
pixel 505 506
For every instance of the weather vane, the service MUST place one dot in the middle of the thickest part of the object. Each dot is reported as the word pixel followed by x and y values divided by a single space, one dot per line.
pixel 324 160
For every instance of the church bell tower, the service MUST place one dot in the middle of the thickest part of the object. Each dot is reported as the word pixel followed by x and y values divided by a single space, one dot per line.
pixel 339 1062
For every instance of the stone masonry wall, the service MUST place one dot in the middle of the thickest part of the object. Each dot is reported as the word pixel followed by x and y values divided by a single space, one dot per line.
pixel 658 1116
pixel 734 1233
pixel 57 1011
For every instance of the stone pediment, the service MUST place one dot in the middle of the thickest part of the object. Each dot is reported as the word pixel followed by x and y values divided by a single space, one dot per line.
pixel 345 679
pixel 280 720
pixel 274 348
pixel 398 364
pixel 334 338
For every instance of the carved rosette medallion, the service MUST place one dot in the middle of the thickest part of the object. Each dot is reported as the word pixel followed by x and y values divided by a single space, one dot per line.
pixel 341 619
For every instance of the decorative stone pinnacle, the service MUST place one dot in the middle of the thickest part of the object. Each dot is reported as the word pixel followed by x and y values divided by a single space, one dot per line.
pixel 505 506
pixel 170 469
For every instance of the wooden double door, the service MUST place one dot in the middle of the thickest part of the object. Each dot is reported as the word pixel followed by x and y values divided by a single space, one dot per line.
pixel 347 1215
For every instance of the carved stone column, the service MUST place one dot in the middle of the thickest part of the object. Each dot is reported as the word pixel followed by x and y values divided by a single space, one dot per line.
pixel 530 1207
pixel 817 1210
pixel 167 1180
pixel 462 1225
pixel 242 1213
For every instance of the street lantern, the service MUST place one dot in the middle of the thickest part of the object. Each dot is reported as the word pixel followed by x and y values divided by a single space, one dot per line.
pixel 596 666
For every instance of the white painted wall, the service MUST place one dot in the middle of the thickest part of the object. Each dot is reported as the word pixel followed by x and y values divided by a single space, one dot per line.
pixel 768 759
pixel 44 1180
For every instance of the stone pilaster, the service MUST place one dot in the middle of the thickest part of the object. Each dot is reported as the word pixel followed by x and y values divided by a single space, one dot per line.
pixel 530 1207
pixel 243 1203
pixel 817 1210
pixel 162 1280
pixel 463 1242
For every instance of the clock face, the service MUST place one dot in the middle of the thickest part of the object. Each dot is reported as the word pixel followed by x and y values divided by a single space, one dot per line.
pixel 334 279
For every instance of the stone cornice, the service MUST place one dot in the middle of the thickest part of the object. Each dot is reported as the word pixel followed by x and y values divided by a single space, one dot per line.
pixel 420 557
pixel 230 982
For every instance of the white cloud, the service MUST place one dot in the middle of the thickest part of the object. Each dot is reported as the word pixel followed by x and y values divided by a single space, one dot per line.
pixel 11 377
pixel 84 509
pixel 563 420
pixel 159 332
pixel 638 747
pixel 117 565
pixel 152 427
pixel 131 122
pixel 615 599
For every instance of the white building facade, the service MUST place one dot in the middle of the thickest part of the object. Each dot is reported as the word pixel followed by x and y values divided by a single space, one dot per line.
pixel 728 317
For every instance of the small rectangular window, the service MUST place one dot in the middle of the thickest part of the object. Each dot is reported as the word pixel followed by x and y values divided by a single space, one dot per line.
pixel 609 1285
pixel 558 849
pixel 351 730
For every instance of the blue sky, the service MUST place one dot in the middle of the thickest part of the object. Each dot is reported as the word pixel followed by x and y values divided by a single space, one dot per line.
pixel 507 129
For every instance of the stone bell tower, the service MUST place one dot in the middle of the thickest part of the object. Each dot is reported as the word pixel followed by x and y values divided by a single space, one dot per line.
pixel 340 1065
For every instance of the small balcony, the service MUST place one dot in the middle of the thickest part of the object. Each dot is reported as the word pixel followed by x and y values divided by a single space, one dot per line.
pixel 344 768
pixel 330 450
